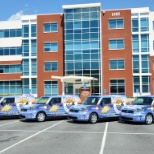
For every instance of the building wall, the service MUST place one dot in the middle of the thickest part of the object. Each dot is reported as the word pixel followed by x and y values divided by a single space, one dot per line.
pixel 46 57
pixel 125 54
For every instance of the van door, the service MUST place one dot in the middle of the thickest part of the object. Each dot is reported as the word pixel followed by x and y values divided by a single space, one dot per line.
pixel 8 107
pixel 106 108
pixel 56 107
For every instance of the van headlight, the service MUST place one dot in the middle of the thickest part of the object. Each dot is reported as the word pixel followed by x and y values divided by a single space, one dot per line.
pixel 139 110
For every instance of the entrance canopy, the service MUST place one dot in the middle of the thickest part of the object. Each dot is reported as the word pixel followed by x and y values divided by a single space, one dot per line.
pixel 73 79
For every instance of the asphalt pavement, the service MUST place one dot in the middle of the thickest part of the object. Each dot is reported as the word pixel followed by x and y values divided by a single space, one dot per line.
pixel 63 136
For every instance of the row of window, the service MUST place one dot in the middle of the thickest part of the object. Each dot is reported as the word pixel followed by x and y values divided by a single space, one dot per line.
pixel 79 10
pixel 10 69
pixel 51 87
pixel 10 51
pixel 10 33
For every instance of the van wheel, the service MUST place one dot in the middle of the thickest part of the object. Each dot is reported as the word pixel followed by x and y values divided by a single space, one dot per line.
pixel 93 118
pixel 148 119
pixel 40 117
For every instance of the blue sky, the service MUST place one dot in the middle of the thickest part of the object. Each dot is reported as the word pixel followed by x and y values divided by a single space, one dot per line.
pixel 14 9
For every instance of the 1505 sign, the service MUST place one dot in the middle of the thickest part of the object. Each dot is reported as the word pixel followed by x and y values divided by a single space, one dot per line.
pixel 116 14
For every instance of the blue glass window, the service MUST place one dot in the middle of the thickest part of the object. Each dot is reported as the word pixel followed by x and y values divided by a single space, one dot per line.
pixel 136 84
pixel 33 30
pixel 117 64
pixel 116 24
pixel 51 87
pixel 144 42
pixel 116 44
pixel 145 84
pixel 33 47
pixel 25 31
pixel 10 33
pixel 51 47
pixel 135 43
pixel 145 64
pixel 10 69
pixel 25 48
pixel 117 87
pixel 11 87
pixel 33 66
pixel 50 66
pixel 50 27
pixel 25 67
pixel 136 64
pixel 10 51
pixel 135 27
pixel 144 24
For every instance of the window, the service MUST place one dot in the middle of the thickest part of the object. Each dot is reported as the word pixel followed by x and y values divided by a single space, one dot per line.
pixel 33 67
pixel 51 47
pixel 144 42
pixel 153 25
pixel 33 30
pixel 116 64
pixel 25 48
pixel 25 31
pixel 116 44
pixel 135 24
pixel 55 100
pixel 135 43
pixel 145 63
pixel 25 67
pixel 106 101
pixel 50 27
pixel 144 24
pixel 11 87
pixel 117 87
pixel 136 84
pixel 9 69
pixel 10 33
pixel 33 47
pixel 50 66
pixel 136 66
pixel 50 87
pixel 34 86
pixel 145 84
pixel 10 51
pixel 116 24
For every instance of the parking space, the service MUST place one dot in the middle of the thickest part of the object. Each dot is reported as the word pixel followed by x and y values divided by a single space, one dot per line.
pixel 67 137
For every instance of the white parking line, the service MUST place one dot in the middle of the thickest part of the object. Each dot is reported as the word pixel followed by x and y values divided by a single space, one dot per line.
pixel 30 137
pixel 104 139
pixel 9 123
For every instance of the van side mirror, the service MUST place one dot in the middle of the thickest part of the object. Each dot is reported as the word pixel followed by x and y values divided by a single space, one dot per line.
pixel 101 103
pixel 50 103
pixel 2 103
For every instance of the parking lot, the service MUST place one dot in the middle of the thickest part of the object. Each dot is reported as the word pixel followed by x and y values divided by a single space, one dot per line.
pixel 63 136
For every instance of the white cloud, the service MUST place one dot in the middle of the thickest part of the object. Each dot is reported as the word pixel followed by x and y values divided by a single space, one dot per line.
pixel 17 16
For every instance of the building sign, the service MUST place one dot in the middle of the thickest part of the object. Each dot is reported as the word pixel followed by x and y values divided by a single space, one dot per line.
pixel 116 14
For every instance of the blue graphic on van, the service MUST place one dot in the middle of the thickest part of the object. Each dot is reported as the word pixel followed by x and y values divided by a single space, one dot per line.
pixel 48 107
pixel 10 105
pixel 140 110
pixel 98 107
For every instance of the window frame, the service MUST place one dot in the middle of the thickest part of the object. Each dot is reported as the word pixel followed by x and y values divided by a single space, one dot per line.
pixel 50 27
pixel 116 24
pixel 116 43
pixel 117 64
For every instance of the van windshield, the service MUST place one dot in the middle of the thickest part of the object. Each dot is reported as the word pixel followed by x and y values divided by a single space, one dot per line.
pixel 143 101
pixel 43 100
pixel 91 100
